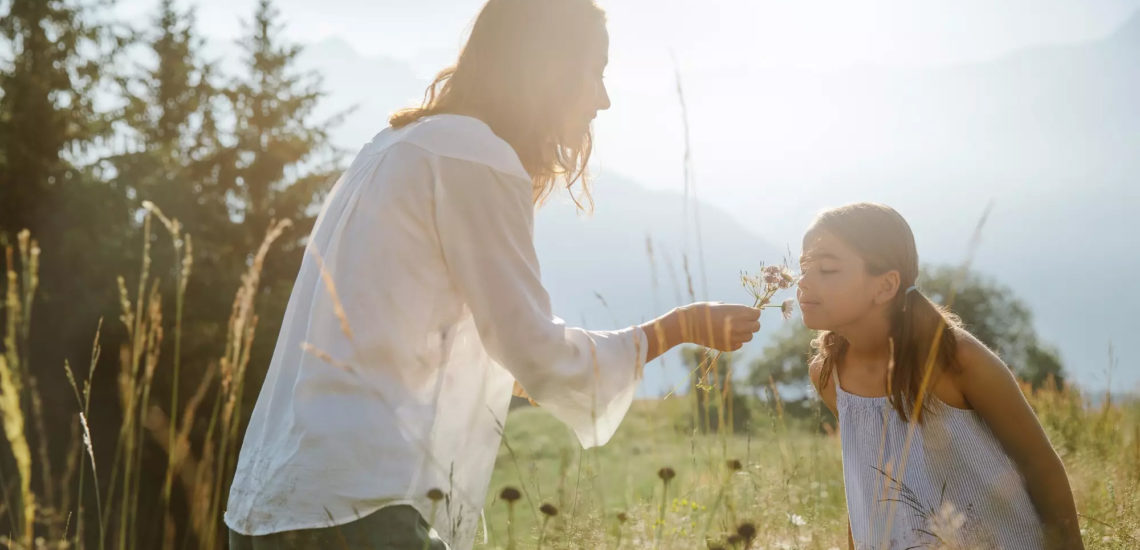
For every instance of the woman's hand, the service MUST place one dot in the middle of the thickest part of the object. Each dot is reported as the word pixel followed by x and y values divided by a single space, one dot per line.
pixel 724 327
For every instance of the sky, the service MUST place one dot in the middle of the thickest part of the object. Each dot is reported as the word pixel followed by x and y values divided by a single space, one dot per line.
pixel 776 135
pixel 819 34
pixel 708 39
pixel 722 49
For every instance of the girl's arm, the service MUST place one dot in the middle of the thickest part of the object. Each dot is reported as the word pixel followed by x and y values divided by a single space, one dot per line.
pixel 827 394
pixel 990 388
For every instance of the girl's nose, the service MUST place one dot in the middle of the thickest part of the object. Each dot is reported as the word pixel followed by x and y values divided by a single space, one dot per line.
pixel 804 283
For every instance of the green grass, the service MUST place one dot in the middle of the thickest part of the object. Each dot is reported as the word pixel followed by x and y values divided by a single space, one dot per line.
pixel 784 472
pixel 790 487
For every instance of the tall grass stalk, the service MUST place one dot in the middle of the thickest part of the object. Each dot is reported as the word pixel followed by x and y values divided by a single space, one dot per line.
pixel 13 367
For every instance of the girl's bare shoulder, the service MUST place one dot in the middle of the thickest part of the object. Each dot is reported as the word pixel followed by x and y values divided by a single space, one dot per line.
pixel 979 369
pixel 972 354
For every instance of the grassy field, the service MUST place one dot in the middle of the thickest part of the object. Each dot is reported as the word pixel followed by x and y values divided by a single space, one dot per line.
pixel 780 480
pixel 789 487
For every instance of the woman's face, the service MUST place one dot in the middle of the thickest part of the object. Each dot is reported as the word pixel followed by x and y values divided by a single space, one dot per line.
pixel 592 95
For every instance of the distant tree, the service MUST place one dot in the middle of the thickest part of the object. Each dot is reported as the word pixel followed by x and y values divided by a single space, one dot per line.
pixel 996 316
pixel 784 362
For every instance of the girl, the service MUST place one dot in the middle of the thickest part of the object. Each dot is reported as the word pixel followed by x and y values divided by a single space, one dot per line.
pixel 419 305
pixel 940 447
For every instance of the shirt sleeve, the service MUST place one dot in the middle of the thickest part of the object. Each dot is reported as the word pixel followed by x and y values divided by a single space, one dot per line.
pixel 485 221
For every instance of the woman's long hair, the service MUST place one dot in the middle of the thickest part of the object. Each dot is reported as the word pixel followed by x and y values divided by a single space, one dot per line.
pixel 922 333
pixel 521 69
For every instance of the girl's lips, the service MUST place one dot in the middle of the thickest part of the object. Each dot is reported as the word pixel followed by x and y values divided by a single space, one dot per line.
pixel 807 304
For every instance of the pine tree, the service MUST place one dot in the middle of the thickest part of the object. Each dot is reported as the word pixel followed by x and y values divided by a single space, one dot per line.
pixel 170 159
pixel 281 164
pixel 47 113
pixel 225 161
pixel 176 160
pixel 276 142
pixel 54 63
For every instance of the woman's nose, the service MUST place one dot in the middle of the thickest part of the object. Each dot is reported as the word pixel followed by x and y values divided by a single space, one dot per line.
pixel 603 97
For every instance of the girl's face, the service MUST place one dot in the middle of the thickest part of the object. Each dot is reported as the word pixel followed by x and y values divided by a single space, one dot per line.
pixel 836 290
pixel 592 96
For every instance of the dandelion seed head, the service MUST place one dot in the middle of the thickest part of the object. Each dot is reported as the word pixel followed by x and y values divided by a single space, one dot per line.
pixel 787 307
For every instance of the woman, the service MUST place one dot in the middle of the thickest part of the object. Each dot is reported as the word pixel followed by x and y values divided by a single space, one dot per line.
pixel 419 305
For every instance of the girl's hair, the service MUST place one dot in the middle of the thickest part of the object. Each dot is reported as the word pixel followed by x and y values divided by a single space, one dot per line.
pixel 922 332
pixel 520 71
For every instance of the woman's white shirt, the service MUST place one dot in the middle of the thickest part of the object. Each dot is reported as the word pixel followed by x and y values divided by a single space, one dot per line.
pixel 418 304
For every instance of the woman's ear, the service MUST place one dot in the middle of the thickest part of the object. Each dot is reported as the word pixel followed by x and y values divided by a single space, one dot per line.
pixel 888 287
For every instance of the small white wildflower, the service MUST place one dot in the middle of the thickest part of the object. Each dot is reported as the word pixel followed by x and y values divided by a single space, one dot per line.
pixel 787 308
pixel 948 521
